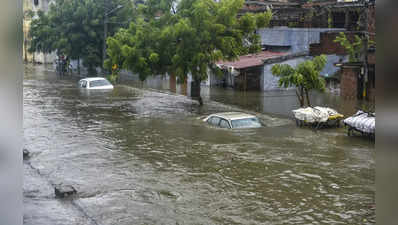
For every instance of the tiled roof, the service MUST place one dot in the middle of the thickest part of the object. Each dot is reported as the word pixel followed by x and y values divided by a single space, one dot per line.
pixel 251 60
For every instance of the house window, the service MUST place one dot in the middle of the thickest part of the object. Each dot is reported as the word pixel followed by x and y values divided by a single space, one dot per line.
pixel 36 2
pixel 353 21
pixel 338 19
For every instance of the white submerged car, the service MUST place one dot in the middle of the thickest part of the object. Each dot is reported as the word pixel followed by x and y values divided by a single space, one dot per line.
pixel 98 83
pixel 233 120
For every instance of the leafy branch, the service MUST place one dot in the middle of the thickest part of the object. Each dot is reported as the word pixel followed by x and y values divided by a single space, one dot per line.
pixel 305 77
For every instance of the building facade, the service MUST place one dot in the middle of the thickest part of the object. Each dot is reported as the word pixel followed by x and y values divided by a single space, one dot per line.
pixel 347 14
pixel 34 6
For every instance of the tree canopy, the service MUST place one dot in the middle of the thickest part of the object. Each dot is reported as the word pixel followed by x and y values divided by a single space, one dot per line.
pixel 185 38
pixel 43 36
pixel 76 28
pixel 305 77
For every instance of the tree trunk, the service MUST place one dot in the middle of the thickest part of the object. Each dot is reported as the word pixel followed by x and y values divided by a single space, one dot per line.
pixel 300 97
pixel 184 87
pixel 78 65
pixel 308 97
pixel 195 91
pixel 172 83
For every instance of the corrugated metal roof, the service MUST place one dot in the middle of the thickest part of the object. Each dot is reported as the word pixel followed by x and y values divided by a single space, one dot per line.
pixel 298 39
pixel 251 60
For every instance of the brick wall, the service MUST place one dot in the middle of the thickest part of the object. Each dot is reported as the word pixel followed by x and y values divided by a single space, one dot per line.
pixel 372 22
pixel 372 94
pixel 349 82
pixel 327 45
pixel 371 58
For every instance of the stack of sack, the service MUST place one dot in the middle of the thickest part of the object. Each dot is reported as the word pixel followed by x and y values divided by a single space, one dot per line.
pixel 362 121
pixel 316 114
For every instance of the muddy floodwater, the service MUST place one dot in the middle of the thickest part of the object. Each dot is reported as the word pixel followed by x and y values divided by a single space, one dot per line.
pixel 139 156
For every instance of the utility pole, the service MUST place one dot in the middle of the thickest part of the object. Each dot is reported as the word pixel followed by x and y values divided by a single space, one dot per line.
pixel 106 14
pixel 104 43
pixel 365 47
pixel 105 36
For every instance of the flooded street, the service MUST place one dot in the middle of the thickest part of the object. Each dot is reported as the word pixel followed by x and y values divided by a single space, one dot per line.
pixel 137 156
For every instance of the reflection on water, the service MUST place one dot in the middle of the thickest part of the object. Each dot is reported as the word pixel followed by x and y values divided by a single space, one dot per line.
pixel 143 157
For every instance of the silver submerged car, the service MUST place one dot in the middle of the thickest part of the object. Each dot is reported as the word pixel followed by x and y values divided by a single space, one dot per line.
pixel 95 83
pixel 233 120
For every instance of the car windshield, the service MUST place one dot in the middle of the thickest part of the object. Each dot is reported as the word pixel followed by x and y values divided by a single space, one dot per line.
pixel 246 123
pixel 98 83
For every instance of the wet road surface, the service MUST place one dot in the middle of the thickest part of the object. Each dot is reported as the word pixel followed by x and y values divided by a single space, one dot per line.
pixel 143 157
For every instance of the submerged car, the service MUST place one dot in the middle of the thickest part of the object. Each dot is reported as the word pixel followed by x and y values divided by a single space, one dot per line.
pixel 95 83
pixel 233 120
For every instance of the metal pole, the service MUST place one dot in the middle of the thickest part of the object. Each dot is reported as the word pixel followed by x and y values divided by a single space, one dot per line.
pixel 105 36
pixel 106 14
pixel 365 61
pixel 104 43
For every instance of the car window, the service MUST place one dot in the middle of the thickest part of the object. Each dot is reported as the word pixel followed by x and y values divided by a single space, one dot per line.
pixel 246 123
pixel 84 84
pixel 98 83
pixel 213 121
pixel 224 124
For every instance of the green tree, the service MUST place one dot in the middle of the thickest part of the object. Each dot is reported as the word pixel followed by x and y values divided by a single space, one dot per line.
pixel 76 28
pixel 184 39
pixel 354 48
pixel 42 34
pixel 305 77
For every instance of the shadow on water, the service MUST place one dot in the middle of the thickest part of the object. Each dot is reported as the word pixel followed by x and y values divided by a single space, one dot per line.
pixel 142 157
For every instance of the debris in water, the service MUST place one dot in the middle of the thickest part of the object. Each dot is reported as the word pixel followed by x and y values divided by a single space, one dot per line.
pixel 63 191
pixel 26 153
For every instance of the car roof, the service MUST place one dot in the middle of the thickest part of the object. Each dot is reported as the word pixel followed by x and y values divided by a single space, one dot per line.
pixel 93 78
pixel 233 115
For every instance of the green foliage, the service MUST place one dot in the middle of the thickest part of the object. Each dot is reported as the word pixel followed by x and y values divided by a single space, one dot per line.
pixel 28 14
pixel 187 38
pixel 43 35
pixel 330 19
pixel 113 78
pixel 353 48
pixel 292 24
pixel 306 77
pixel 76 28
